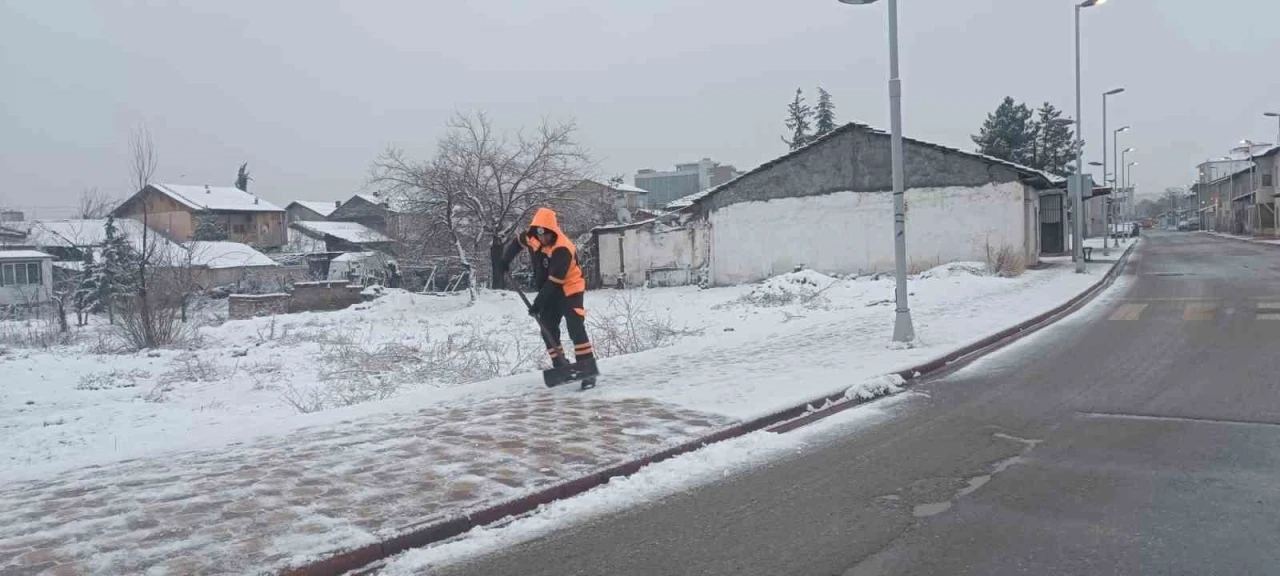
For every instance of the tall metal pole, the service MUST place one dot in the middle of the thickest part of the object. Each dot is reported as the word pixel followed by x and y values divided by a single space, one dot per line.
pixel 1106 214
pixel 1077 248
pixel 903 331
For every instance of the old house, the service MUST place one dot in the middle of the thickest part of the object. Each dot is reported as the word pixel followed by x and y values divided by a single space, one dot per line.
pixel 177 210
pixel 829 207
pixel 307 211
pixel 25 277
pixel 232 263
pixel 344 236
pixel 373 212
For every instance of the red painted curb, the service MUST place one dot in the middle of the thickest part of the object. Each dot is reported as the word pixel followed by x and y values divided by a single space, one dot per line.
pixel 781 421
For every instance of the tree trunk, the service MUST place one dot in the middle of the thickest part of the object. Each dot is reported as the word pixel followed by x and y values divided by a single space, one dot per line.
pixel 496 279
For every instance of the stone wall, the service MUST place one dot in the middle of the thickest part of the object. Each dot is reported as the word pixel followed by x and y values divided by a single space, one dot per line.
pixel 242 306
pixel 323 295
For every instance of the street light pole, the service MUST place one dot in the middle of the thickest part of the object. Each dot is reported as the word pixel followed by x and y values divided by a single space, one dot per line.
pixel 1077 249
pixel 1106 222
pixel 903 330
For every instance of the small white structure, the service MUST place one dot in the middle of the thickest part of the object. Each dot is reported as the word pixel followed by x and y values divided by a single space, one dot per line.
pixel 228 262
pixel 26 277
pixel 362 268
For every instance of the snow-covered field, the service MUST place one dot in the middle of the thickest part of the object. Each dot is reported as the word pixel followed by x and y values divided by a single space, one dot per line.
pixel 736 351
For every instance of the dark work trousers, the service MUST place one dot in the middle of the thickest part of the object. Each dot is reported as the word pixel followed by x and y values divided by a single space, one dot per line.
pixel 571 309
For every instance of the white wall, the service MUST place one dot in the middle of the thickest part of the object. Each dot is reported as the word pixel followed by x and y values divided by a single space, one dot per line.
pixel 28 294
pixel 646 249
pixel 853 231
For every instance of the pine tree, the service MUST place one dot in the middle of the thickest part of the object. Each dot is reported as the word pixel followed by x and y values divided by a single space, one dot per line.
pixel 1053 150
pixel 1008 133
pixel 85 298
pixel 798 114
pixel 114 274
pixel 825 114
pixel 208 229
pixel 242 177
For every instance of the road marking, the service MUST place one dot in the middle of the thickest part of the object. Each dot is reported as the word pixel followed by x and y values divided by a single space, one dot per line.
pixel 1186 299
pixel 1269 305
pixel 1269 316
pixel 1128 312
pixel 1188 419
pixel 1198 312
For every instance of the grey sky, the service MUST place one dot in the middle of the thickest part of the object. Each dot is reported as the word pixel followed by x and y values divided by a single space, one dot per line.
pixel 309 92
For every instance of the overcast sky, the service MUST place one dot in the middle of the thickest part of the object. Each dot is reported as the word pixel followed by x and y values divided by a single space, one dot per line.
pixel 308 93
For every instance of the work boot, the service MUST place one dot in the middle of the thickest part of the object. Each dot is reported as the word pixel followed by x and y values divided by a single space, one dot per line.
pixel 585 367
pixel 559 362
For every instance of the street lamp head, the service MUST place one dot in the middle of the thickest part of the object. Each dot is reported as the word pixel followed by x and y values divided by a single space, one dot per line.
pixel 1095 163
pixel 1134 163
pixel 1091 3
pixel 1271 114
pixel 857 2
pixel 1130 149
pixel 1113 92
pixel 1123 129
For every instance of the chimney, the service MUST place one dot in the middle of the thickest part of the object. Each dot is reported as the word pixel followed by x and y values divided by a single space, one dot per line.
pixel 207 190
pixel 337 203
pixel 255 200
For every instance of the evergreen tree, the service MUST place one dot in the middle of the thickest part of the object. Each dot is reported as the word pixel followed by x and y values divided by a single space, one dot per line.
pixel 825 114
pixel 85 297
pixel 208 228
pixel 1053 150
pixel 242 177
pixel 798 114
pixel 114 274
pixel 1008 133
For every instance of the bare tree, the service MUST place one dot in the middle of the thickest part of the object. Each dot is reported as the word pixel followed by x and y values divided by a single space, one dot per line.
pixel 94 204
pixel 481 185
pixel 142 154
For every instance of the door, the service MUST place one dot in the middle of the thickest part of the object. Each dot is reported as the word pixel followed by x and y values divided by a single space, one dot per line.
pixel 1051 222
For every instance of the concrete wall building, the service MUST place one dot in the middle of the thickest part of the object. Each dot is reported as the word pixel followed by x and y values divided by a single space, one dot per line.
pixel 829 207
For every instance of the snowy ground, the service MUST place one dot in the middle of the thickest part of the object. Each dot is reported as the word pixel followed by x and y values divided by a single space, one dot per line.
pixel 723 354
pixel 1257 239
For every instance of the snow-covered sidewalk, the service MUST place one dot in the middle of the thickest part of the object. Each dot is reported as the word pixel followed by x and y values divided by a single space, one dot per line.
pixel 246 484
pixel 1255 239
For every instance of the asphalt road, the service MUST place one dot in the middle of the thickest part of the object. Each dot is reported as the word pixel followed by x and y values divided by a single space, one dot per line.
pixel 1141 437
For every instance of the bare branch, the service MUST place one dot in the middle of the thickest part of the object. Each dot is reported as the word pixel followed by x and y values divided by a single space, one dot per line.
pixel 142 152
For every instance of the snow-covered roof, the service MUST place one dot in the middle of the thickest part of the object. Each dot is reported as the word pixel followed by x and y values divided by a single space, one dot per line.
pixel 354 232
pixel 321 208
pixel 226 198
pixel 356 256
pixel 22 255
pixel 13 232
pixel 226 255
pixel 628 188
pixel 1047 177
pixel 85 233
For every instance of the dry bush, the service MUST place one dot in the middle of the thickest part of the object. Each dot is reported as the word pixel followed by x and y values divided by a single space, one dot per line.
pixel 151 321
pixel 41 333
pixel 112 379
pixel 628 326
pixel 191 367
pixel 1006 261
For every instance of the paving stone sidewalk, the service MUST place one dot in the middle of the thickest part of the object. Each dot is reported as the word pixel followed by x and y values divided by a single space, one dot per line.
pixel 261 506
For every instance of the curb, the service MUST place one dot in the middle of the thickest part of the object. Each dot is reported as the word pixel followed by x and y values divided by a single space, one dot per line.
pixel 781 421
pixel 1255 240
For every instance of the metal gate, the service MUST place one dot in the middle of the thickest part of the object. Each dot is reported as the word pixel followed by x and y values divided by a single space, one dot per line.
pixel 1051 221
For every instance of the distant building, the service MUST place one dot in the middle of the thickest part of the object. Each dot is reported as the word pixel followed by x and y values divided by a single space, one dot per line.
pixel 686 179
pixel 12 216
pixel 175 210
pixel 306 211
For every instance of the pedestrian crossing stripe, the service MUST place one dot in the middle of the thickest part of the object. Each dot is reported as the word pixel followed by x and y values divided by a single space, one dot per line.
pixel 1269 316
pixel 1269 305
pixel 1128 312
pixel 1199 312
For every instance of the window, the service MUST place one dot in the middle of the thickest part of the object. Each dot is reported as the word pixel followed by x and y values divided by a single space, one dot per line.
pixel 1266 180
pixel 238 228
pixel 20 274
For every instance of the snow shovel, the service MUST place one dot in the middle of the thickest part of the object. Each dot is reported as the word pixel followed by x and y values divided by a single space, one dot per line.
pixel 552 376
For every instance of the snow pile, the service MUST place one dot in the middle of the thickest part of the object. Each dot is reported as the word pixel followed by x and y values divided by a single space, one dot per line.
pixel 954 269
pixel 802 287
pixel 876 387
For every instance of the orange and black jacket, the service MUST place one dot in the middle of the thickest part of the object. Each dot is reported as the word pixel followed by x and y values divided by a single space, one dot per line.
pixel 555 266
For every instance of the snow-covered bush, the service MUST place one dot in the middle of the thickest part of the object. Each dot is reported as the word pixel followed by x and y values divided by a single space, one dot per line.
pixel 627 326
pixel 1005 261
pixel 112 379
pixel 955 269
pixel 804 287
